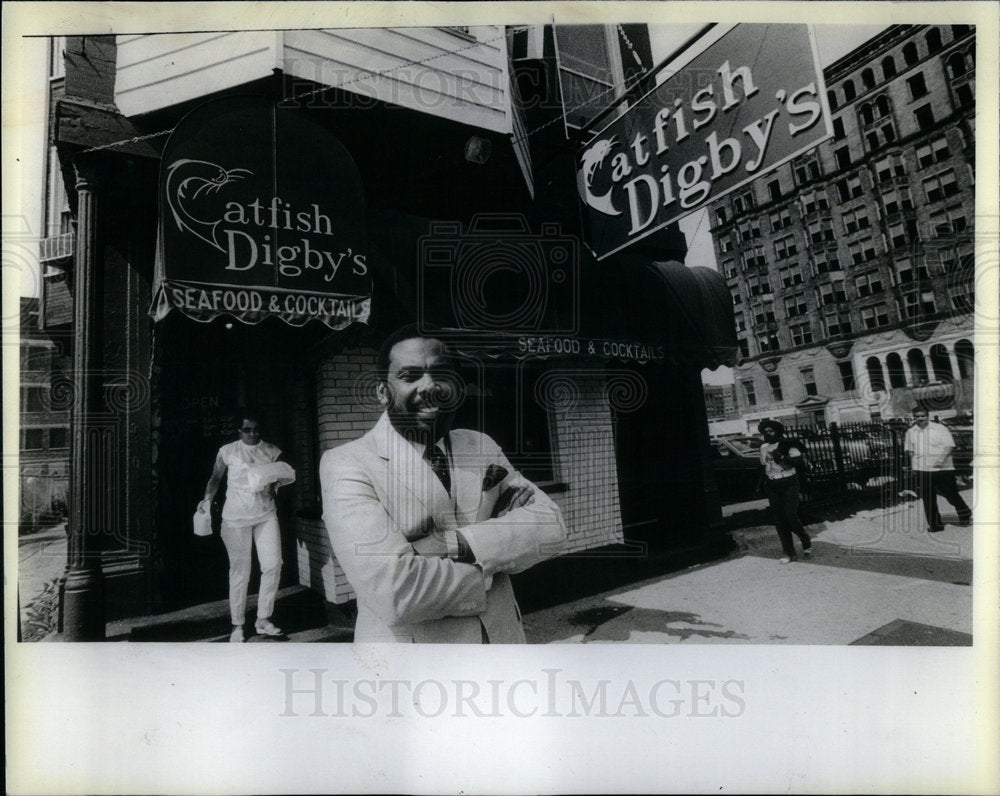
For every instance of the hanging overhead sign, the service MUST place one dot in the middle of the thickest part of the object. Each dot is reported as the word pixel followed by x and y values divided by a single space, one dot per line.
pixel 261 214
pixel 752 99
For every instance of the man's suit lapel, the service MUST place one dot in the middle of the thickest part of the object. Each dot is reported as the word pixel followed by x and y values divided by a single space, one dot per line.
pixel 409 477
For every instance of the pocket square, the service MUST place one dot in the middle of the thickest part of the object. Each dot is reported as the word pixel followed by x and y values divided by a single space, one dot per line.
pixel 494 475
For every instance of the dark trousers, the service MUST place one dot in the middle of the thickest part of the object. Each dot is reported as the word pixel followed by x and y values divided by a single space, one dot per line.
pixel 942 482
pixel 783 495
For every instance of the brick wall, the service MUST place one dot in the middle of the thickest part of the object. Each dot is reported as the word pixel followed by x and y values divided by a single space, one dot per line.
pixel 346 407
pixel 318 569
pixel 345 397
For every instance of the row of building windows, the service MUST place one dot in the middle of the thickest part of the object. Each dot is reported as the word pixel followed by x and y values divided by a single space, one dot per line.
pixel 807 375
pixel 911 56
pixel 943 225
pixel 923 369
pixel 836 318
pixel 887 171
pixel 905 269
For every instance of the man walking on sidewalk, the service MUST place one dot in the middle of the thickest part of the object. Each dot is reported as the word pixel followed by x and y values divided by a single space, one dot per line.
pixel 928 447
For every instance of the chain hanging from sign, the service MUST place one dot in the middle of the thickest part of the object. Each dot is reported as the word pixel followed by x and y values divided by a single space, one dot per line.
pixel 261 215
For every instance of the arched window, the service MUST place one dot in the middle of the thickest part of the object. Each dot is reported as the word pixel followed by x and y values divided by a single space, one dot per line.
pixel 894 364
pixel 933 39
pixel 875 376
pixel 918 366
pixel 971 52
pixel 941 363
pixel 866 114
pixel 882 106
pixel 849 92
pixel 966 359
pixel 888 67
pixel 910 53
pixel 831 97
pixel 868 78
pixel 955 65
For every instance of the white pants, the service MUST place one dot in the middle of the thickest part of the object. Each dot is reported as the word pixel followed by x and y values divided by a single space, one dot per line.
pixel 239 540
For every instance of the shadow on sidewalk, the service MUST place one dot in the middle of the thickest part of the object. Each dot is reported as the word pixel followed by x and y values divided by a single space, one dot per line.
pixel 298 611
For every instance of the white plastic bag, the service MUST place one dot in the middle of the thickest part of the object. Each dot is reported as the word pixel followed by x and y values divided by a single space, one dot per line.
pixel 202 523
pixel 260 476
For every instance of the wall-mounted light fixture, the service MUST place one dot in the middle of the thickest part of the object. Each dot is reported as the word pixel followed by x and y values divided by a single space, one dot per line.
pixel 478 149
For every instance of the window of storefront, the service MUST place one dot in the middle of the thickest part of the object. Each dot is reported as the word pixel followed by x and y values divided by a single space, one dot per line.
pixel 512 402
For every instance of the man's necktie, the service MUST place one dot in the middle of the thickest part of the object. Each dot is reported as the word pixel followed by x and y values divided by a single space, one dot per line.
pixel 439 463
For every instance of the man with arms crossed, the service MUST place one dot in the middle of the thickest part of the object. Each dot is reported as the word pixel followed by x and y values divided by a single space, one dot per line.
pixel 928 448
pixel 427 521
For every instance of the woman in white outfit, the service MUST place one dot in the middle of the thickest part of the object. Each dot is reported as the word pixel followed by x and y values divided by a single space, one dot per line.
pixel 249 517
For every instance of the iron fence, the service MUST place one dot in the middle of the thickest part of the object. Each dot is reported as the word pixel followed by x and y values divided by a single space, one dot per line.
pixel 865 453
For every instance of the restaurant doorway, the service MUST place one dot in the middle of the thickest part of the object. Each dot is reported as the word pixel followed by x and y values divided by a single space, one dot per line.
pixel 206 374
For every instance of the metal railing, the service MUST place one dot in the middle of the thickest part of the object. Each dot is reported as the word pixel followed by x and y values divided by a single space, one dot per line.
pixel 858 453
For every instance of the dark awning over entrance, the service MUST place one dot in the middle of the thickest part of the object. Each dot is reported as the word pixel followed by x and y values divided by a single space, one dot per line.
pixel 660 312
pixel 261 215
pixel 701 299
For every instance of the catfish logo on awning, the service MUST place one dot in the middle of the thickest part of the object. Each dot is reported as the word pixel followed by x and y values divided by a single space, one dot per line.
pixel 220 207
pixel 191 180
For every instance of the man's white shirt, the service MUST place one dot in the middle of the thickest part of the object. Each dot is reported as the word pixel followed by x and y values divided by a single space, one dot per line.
pixel 928 445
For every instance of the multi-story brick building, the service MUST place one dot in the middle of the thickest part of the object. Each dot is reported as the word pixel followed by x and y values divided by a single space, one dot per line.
pixel 43 454
pixel 851 268
pixel 720 401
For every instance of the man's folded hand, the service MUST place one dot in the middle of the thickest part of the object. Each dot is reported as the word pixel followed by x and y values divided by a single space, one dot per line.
pixel 514 497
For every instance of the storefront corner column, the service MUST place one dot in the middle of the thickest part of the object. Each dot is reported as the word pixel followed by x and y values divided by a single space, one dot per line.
pixel 82 607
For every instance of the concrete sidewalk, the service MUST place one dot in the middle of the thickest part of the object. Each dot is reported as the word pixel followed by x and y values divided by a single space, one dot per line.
pixel 876 577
